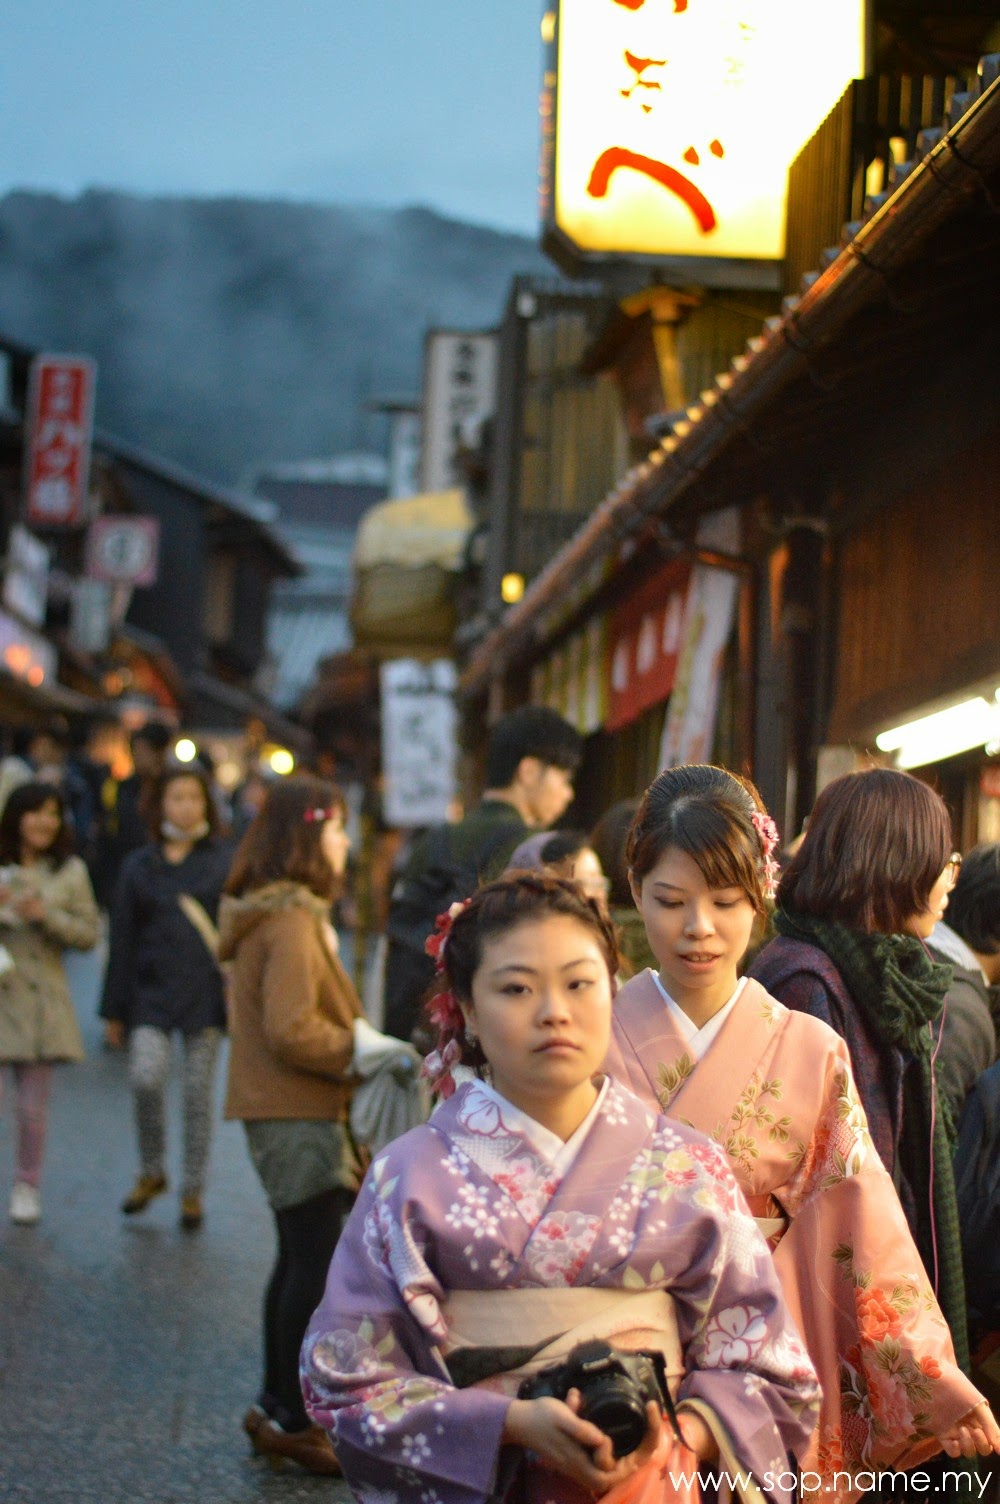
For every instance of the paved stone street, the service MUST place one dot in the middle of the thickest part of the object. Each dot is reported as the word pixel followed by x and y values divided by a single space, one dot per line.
pixel 128 1349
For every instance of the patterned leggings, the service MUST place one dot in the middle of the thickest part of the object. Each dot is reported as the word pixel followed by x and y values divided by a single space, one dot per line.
pixel 148 1069
pixel 32 1081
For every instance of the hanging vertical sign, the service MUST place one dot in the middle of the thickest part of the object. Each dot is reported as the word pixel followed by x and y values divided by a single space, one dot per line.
pixel 419 740
pixel 59 424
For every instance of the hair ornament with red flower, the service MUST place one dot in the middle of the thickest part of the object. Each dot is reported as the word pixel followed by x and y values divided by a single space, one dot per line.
pixel 443 1009
pixel 436 944
pixel 318 816
pixel 767 831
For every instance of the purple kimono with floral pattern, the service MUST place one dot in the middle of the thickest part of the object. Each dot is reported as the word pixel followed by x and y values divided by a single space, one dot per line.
pixel 466 1202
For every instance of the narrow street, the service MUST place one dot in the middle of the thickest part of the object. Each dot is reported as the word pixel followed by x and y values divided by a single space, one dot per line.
pixel 128 1349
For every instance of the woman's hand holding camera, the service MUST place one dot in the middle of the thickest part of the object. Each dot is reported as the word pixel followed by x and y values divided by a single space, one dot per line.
pixel 559 1437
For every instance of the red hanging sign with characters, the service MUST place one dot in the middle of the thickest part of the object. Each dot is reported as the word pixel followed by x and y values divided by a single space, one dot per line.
pixel 59 421
pixel 645 638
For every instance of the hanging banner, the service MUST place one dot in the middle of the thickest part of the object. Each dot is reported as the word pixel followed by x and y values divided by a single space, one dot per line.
pixel 59 424
pixel 645 642
pixel 689 731
pixel 419 741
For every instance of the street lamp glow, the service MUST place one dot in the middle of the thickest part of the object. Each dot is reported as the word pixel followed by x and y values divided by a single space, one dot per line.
pixel 512 588
pixel 281 761
pixel 946 733
pixel 185 750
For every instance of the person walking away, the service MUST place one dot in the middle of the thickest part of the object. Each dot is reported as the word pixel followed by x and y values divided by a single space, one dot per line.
pixel 293 1009
pixel 46 905
pixel 774 1088
pixel 531 757
pixel 163 979
pixel 542 1206
pixel 969 941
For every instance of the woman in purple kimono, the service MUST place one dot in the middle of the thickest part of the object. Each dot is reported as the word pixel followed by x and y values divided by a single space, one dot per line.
pixel 540 1207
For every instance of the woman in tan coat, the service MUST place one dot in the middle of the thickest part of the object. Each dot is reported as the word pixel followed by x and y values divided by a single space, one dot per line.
pixel 46 904
pixel 292 1037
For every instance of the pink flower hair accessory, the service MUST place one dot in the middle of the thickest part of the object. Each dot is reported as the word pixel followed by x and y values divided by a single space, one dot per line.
pixel 437 1067
pixel 767 833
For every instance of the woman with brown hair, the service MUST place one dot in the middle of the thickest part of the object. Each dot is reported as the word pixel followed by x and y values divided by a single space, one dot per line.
pixel 163 978
pixel 46 905
pixel 854 908
pixel 292 1012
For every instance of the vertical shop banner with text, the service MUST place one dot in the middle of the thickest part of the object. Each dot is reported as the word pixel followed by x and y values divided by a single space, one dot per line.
pixel 418 741
pixel 645 642
pixel 59 423
pixel 689 731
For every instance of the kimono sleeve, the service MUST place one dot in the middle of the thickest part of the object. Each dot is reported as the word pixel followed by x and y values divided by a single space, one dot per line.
pixel 744 1360
pixel 373 1373
pixel 854 1281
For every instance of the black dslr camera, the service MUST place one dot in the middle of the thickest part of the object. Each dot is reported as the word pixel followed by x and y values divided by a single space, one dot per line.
pixel 615 1388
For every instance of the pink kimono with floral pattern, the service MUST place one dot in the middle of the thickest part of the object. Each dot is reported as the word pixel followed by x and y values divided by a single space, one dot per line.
pixel 466 1202
pixel 774 1089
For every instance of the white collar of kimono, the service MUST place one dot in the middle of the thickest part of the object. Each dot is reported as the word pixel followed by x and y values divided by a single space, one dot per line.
pixel 548 1145
pixel 697 1040
pixel 950 944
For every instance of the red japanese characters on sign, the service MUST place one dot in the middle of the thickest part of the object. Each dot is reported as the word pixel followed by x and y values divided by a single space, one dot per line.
pixel 645 642
pixel 60 415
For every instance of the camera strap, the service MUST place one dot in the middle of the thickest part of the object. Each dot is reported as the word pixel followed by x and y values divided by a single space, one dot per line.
pixel 471 1365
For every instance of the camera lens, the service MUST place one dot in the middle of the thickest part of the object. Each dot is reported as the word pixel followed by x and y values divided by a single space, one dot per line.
pixel 612 1405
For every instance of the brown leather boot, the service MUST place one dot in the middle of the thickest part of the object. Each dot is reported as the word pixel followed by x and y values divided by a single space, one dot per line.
pixel 310 1448
pixel 142 1193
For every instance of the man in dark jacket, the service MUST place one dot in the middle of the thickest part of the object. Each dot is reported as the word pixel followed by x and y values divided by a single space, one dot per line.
pixel 531 757
pixel 970 942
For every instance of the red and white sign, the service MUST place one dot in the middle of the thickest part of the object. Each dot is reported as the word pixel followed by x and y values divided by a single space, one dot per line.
pixel 60 418
pixel 123 550
pixel 645 642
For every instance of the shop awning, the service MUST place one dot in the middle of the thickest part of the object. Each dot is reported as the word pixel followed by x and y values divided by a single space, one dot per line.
pixel 406 557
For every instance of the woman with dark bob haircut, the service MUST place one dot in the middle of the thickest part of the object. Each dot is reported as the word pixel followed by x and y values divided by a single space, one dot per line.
pixel 854 909
pixel 292 1013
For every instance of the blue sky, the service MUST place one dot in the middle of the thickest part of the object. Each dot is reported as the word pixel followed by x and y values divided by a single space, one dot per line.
pixel 389 102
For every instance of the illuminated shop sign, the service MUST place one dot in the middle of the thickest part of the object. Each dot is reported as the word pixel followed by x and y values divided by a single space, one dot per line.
pixel 669 126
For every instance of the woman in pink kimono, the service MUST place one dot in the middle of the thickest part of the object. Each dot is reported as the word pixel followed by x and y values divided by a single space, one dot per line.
pixel 543 1206
pixel 774 1089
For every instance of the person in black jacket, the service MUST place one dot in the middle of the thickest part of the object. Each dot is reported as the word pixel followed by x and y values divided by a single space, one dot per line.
pixel 163 977
pixel 969 938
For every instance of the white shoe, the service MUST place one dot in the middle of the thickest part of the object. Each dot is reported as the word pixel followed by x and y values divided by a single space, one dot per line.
pixel 25 1203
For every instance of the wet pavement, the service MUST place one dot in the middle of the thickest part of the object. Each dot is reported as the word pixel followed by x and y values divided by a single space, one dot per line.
pixel 129 1350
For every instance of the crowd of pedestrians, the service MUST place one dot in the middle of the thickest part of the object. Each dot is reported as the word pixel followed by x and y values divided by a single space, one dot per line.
pixel 693 1097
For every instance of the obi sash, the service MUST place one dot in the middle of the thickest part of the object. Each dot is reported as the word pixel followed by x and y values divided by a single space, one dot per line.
pixel 511 1320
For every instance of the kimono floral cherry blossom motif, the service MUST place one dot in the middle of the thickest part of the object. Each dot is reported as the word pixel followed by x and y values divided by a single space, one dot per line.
pixel 768 833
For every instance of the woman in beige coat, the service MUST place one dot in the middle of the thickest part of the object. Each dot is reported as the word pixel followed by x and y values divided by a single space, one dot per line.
pixel 292 1013
pixel 46 904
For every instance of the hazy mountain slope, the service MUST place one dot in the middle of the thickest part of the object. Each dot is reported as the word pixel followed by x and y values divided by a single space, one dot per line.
pixel 229 331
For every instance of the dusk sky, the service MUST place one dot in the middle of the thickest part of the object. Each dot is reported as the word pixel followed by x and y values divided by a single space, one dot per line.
pixel 394 102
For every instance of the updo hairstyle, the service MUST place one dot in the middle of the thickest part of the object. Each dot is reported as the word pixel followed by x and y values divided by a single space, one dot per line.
pixel 707 813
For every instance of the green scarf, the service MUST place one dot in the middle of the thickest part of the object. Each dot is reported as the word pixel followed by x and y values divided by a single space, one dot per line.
pixel 899 991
